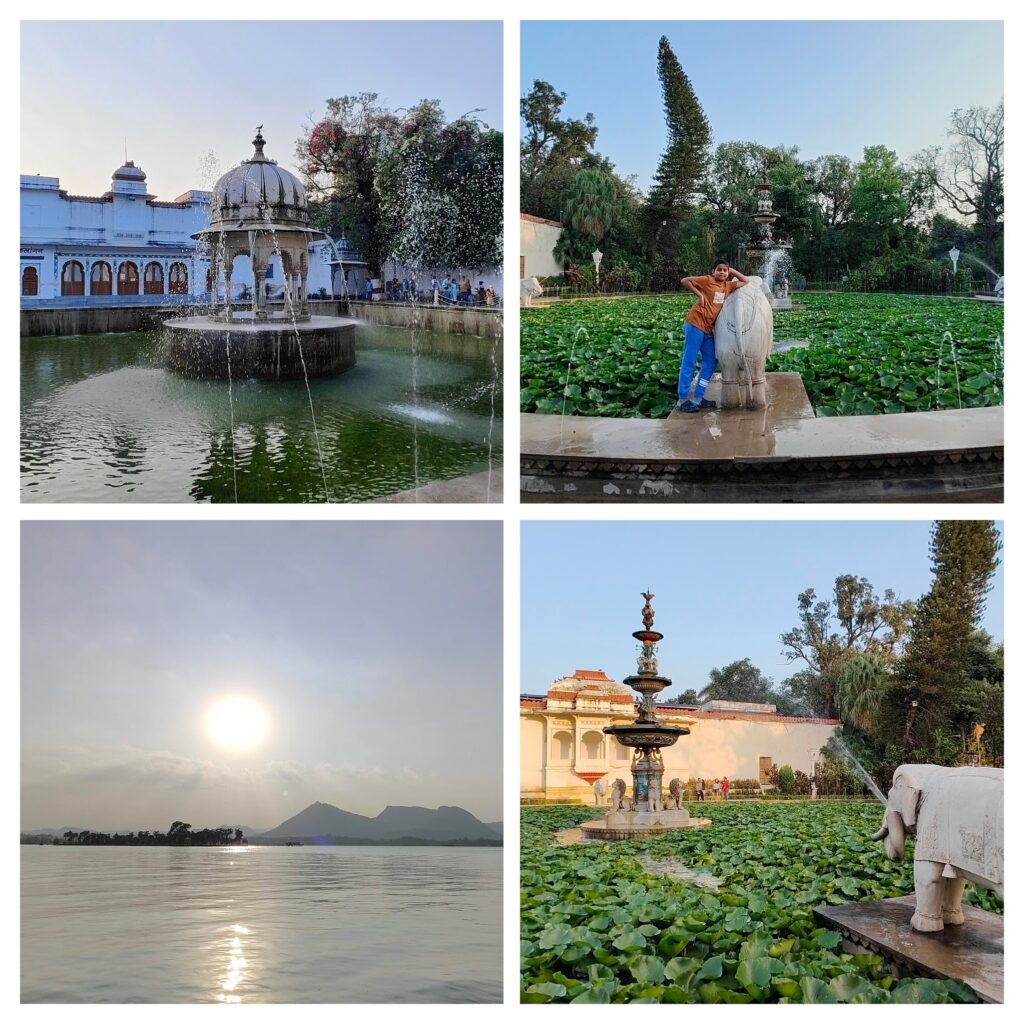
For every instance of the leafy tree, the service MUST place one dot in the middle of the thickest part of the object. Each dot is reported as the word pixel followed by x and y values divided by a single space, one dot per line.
pixel 688 696
pixel 739 680
pixel 340 157
pixel 440 187
pixel 787 781
pixel 681 168
pixel 551 140
pixel 405 183
pixel 853 621
pixel 970 176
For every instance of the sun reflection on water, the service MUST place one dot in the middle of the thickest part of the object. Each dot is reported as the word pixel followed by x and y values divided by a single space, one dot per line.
pixel 236 969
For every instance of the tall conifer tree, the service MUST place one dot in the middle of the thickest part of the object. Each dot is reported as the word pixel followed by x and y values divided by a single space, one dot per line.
pixel 682 163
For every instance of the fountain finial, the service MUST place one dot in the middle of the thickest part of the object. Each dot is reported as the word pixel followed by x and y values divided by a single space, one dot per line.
pixel 648 611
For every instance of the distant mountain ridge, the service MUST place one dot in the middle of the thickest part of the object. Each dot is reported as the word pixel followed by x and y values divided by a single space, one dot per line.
pixel 443 823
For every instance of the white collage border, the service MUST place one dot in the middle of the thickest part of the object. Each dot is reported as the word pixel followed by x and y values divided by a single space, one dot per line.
pixel 510 512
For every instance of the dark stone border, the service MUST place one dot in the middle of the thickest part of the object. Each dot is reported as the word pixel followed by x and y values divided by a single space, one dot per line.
pixel 973 475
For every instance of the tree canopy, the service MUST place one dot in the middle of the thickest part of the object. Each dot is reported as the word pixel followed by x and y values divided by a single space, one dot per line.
pixel 406 184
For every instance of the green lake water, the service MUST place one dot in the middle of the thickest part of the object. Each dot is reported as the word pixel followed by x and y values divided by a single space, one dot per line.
pixel 103 421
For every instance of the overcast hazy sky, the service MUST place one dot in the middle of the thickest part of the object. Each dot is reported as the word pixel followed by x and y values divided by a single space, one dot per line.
pixel 825 86
pixel 374 647
pixel 723 590
pixel 181 90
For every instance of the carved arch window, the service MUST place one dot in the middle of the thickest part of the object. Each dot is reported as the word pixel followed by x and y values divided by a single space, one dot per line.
pixel 72 278
pixel 177 279
pixel 30 281
pixel 127 279
pixel 153 279
pixel 100 279
pixel 561 746
pixel 593 746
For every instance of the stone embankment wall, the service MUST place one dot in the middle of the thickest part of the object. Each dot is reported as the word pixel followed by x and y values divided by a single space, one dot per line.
pixel 473 321
pixel 477 321
pixel 95 319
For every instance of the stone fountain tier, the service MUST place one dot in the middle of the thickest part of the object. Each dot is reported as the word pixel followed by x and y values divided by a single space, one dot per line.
pixel 272 349
pixel 616 826
pixel 642 734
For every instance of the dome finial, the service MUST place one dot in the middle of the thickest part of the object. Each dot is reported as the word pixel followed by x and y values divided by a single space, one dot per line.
pixel 258 143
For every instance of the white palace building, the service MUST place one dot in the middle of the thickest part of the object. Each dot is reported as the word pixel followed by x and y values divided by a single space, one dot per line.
pixel 564 750
pixel 126 247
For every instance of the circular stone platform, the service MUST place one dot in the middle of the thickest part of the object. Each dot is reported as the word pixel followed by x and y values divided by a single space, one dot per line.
pixel 266 349
pixel 614 831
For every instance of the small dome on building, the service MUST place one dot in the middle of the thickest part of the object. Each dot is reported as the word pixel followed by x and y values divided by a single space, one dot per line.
pixel 257 192
pixel 589 685
pixel 129 172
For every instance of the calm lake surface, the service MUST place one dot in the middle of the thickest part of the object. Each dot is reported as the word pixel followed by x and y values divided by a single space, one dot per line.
pixel 260 924
pixel 103 420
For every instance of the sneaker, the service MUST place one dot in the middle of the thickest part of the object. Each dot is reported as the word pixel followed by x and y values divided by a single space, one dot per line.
pixel 689 406
pixel 706 403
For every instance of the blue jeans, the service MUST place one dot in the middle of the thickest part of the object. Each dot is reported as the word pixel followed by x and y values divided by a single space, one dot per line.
pixel 696 343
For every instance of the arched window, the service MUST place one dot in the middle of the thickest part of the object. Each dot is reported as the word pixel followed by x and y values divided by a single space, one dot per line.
pixel 622 752
pixel 153 279
pixel 178 279
pixel 561 746
pixel 127 279
pixel 72 278
pixel 593 746
pixel 30 281
pixel 100 279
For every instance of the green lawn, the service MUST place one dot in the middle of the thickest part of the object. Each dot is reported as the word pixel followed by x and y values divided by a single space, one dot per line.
pixel 597 928
pixel 868 354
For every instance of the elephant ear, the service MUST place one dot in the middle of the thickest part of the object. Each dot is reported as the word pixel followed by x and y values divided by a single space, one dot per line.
pixel 906 797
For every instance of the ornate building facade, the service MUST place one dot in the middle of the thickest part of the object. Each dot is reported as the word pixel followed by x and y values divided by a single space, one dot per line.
pixel 563 749
pixel 125 247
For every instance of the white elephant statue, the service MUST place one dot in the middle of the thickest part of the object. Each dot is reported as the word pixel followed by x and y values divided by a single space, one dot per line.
pixel 529 289
pixel 619 801
pixel 744 333
pixel 957 814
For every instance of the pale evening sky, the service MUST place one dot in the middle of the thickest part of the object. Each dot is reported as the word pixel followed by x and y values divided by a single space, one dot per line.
pixel 723 590
pixel 375 649
pixel 824 86
pixel 186 89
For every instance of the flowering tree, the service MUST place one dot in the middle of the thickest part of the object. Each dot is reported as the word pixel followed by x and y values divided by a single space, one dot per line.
pixel 405 184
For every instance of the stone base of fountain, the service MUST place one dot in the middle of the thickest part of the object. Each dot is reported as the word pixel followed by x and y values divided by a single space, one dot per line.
pixel 273 349
pixel 971 952
pixel 619 825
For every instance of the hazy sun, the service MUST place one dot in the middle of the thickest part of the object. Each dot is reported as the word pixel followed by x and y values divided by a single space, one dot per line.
pixel 237 723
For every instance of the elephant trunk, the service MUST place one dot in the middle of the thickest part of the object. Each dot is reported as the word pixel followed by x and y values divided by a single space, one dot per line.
pixel 894 834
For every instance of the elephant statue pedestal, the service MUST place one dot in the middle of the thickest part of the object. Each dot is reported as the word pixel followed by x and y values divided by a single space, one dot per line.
pixel 972 953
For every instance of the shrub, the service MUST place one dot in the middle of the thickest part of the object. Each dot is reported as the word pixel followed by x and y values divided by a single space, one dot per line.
pixel 787 781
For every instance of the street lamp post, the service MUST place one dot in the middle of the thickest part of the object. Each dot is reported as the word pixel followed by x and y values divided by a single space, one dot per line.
pixel 596 257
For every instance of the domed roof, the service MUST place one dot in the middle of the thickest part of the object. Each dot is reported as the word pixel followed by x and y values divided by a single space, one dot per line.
pixel 258 193
pixel 129 172
pixel 587 683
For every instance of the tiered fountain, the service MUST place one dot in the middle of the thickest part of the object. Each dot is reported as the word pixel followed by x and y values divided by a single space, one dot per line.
pixel 259 210
pixel 647 812
pixel 766 257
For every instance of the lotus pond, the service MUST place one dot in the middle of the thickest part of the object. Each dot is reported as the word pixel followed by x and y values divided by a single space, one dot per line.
pixel 865 354
pixel 598 928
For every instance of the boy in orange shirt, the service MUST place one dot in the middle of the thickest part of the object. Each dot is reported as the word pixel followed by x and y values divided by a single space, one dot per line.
pixel 699 332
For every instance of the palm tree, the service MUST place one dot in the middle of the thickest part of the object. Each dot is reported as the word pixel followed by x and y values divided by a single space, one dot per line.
pixel 591 205
pixel 861 689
